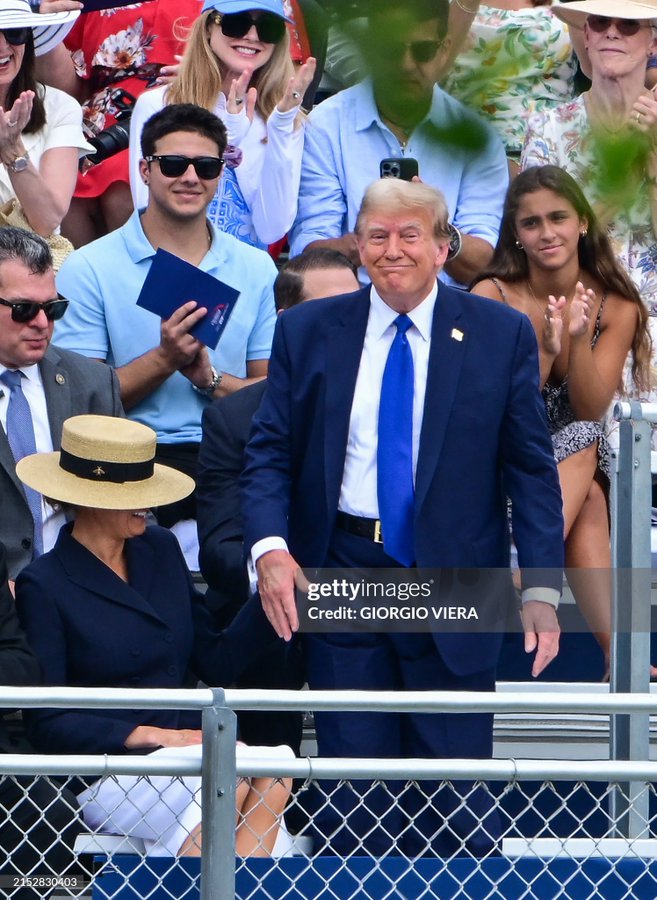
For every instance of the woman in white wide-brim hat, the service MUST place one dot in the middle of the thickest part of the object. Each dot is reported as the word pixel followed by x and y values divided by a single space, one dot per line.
pixel 607 138
pixel 41 137
pixel 113 605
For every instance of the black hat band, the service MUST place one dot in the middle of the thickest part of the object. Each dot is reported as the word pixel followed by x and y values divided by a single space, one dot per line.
pixel 101 470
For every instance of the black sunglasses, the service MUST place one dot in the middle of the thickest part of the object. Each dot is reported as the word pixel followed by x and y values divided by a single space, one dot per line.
pixel 26 310
pixel 16 36
pixel 269 27
pixel 173 166
pixel 626 27
pixel 421 51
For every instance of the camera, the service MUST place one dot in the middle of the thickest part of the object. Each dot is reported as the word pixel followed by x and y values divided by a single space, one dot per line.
pixel 112 140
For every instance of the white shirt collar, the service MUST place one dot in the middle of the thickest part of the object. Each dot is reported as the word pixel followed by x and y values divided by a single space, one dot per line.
pixel 382 316
pixel 30 372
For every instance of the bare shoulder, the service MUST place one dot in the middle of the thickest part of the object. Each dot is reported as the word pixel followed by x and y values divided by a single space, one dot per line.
pixel 619 312
pixel 488 288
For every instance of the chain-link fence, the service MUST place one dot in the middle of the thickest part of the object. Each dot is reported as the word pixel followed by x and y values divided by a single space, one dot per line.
pixel 353 828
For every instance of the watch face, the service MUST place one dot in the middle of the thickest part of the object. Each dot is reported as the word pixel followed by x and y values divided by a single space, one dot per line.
pixel 455 241
pixel 19 164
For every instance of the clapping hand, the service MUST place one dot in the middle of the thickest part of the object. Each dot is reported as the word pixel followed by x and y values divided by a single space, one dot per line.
pixel 298 85
pixel 553 325
pixel 13 121
pixel 241 96
pixel 581 311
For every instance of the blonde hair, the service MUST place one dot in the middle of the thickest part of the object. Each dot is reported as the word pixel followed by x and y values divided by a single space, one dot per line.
pixel 200 77
pixel 394 195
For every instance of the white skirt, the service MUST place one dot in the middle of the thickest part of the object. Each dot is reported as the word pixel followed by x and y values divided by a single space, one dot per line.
pixel 162 810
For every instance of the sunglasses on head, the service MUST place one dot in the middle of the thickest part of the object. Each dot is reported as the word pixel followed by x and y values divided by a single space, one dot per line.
pixel 16 36
pixel 173 165
pixel 26 310
pixel 270 28
pixel 626 27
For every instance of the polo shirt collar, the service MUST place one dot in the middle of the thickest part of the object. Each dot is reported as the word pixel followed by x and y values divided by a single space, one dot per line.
pixel 140 248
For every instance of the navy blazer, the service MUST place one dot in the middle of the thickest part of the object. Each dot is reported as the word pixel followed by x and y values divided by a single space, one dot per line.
pixel 89 628
pixel 484 435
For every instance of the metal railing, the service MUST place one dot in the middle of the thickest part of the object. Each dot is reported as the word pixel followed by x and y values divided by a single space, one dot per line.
pixel 624 804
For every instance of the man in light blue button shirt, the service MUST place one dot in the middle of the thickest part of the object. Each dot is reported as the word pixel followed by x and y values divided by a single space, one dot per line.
pixel 399 111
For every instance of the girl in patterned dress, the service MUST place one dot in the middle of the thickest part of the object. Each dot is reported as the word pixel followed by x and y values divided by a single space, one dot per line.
pixel 554 263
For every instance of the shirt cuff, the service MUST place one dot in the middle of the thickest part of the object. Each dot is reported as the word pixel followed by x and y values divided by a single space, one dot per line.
pixel 542 594
pixel 259 549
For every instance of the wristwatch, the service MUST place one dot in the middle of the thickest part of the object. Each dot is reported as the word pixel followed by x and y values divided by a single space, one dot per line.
pixel 20 163
pixel 212 387
pixel 455 242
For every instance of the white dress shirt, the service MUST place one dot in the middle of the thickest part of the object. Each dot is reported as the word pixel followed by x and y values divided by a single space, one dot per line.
pixel 358 495
pixel 52 516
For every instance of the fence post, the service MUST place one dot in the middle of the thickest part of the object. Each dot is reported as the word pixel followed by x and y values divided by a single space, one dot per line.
pixel 218 800
pixel 629 734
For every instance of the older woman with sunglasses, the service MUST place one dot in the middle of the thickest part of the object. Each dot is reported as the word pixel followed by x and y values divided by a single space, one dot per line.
pixel 40 127
pixel 606 138
pixel 237 64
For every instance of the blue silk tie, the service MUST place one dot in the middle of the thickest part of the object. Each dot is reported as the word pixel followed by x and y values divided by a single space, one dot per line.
pixel 395 488
pixel 20 434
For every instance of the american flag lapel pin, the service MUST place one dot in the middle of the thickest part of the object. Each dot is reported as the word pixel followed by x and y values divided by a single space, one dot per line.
pixel 457 335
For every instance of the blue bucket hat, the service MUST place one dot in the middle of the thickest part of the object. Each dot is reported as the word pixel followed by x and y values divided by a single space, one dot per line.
pixel 228 7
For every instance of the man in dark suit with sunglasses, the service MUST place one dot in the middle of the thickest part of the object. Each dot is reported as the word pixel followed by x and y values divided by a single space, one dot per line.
pixel 55 383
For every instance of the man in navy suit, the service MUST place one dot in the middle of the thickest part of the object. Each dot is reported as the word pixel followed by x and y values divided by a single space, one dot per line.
pixel 408 410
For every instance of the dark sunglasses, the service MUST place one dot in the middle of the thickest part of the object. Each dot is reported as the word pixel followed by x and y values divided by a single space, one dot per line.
pixel 626 27
pixel 26 310
pixel 16 36
pixel 270 28
pixel 421 51
pixel 173 166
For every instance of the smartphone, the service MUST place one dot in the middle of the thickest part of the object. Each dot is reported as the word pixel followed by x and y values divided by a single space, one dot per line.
pixel 404 167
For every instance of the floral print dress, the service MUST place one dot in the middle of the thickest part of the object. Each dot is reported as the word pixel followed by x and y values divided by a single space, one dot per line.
pixel 123 48
pixel 514 63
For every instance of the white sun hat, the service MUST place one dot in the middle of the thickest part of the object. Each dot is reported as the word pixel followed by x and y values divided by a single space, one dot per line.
pixel 49 29
pixel 576 13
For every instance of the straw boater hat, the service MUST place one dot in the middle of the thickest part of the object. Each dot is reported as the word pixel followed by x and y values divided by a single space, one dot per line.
pixel 49 29
pixel 576 13
pixel 106 463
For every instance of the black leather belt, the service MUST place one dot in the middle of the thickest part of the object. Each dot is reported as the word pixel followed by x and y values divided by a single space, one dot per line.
pixel 360 526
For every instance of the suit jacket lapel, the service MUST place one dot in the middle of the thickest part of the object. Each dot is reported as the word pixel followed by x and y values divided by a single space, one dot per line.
pixel 57 392
pixel 448 345
pixel 84 569
pixel 343 352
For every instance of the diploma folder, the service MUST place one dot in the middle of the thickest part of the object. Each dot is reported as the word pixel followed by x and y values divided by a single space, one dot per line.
pixel 171 282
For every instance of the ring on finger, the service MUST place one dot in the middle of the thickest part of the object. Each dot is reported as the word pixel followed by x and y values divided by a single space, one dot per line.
pixel 296 95
pixel 239 101
pixel 12 124
pixel 638 118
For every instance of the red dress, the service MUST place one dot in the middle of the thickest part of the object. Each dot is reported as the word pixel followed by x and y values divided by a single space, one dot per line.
pixel 123 48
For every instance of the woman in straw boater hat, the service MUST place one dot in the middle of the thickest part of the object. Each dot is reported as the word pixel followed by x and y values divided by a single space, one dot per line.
pixel 113 605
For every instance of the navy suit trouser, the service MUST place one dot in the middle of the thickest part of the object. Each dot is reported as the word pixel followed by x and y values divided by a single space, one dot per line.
pixel 413 819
